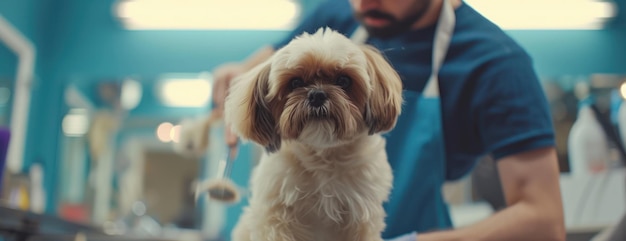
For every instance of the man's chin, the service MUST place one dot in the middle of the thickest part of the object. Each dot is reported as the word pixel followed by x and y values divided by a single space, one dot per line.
pixel 378 32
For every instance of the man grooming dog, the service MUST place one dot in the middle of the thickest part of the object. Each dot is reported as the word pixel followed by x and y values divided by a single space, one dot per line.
pixel 469 90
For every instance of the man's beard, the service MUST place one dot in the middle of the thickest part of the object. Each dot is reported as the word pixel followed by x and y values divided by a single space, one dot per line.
pixel 395 26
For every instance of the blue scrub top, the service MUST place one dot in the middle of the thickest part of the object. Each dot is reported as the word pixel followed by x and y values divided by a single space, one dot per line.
pixel 487 84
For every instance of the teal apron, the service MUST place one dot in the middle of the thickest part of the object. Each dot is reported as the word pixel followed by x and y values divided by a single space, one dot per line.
pixel 416 149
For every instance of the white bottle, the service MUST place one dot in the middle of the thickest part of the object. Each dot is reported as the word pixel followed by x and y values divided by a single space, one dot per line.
pixel 621 122
pixel 37 192
pixel 588 146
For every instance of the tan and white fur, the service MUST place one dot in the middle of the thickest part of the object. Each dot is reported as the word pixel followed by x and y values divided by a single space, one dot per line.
pixel 318 106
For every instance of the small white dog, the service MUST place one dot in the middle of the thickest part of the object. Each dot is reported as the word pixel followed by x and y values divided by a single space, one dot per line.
pixel 317 106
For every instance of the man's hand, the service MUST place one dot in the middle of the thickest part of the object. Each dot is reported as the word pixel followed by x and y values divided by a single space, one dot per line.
pixel 222 77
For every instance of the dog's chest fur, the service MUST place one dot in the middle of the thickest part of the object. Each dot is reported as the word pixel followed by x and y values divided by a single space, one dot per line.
pixel 331 204
pixel 331 192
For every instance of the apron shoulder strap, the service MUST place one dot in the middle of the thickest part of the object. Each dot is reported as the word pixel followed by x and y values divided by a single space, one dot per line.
pixel 359 35
pixel 443 36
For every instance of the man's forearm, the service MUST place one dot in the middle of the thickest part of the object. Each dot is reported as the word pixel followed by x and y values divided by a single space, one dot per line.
pixel 521 222
pixel 258 57
pixel 530 182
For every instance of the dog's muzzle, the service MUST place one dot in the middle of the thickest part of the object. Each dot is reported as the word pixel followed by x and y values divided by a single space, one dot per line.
pixel 317 101
pixel 317 98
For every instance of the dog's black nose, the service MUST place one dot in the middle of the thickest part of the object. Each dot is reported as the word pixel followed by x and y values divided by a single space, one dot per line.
pixel 317 98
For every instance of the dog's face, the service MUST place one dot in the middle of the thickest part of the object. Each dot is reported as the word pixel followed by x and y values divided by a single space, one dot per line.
pixel 320 89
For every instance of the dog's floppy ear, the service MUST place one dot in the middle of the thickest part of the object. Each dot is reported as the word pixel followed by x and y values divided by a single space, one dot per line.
pixel 385 103
pixel 247 110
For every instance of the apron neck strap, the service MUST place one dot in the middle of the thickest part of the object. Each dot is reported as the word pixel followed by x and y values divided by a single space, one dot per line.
pixel 443 35
pixel 360 35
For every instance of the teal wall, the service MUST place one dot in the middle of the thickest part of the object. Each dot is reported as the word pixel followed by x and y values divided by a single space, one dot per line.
pixel 8 63
pixel 572 52
pixel 79 41
pixel 32 19
pixel 26 15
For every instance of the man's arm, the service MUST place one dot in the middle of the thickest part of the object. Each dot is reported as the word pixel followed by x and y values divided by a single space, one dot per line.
pixel 223 74
pixel 535 211
pixel 222 77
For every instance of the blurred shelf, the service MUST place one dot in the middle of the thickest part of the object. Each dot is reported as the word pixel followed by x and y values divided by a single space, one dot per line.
pixel 94 238
pixel 21 225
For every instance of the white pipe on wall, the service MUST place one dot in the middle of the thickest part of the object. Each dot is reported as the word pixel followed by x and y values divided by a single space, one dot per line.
pixel 25 52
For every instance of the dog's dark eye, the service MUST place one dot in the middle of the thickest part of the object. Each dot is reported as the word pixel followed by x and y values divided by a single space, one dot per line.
pixel 343 81
pixel 296 83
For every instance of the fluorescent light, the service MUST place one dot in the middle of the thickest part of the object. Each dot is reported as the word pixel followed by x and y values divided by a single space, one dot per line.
pixel 185 92
pixel 546 14
pixel 207 14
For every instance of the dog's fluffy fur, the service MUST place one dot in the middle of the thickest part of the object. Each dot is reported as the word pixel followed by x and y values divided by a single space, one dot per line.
pixel 325 175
